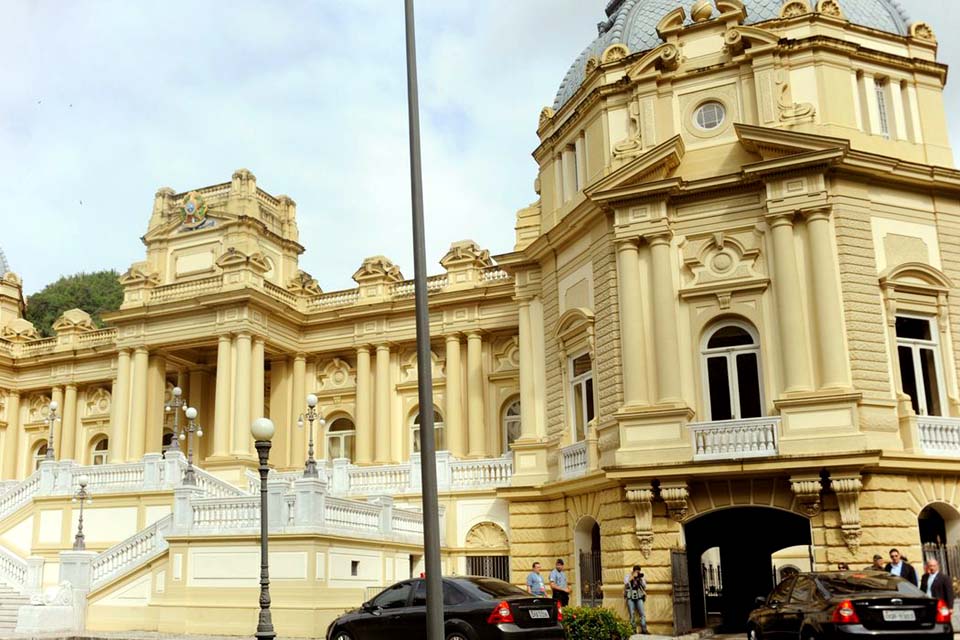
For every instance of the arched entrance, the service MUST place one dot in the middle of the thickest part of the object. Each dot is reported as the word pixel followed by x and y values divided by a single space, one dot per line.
pixel 586 541
pixel 939 525
pixel 741 543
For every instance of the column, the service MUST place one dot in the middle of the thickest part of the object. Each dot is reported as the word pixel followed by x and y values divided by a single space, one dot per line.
pixel 631 323
pixel 786 283
pixel 156 396
pixel 223 402
pixel 11 441
pixel 382 412
pixel 120 408
pixel 665 321
pixel 826 293
pixel 256 379
pixel 477 440
pixel 298 438
pixel 196 382
pixel 68 427
pixel 138 403
pixel 242 441
pixel 453 419
pixel 364 423
pixel 528 399
pixel 56 395
pixel 280 396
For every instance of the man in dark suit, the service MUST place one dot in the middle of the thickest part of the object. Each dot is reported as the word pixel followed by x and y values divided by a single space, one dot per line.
pixel 936 585
pixel 899 567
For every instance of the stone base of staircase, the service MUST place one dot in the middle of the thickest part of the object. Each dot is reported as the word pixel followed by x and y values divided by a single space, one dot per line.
pixel 10 603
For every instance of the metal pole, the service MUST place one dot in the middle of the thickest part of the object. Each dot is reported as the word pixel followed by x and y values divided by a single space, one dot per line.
pixel 265 625
pixel 428 457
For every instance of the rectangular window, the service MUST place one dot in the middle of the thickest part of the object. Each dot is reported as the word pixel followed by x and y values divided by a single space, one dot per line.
pixel 581 383
pixel 719 381
pixel 882 109
pixel 920 369
pixel 748 385
pixel 354 568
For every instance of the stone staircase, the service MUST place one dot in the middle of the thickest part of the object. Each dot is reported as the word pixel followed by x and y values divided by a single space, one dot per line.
pixel 10 603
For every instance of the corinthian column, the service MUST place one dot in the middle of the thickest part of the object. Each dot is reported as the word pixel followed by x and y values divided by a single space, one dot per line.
pixel 69 429
pixel 631 323
pixel 453 420
pixel 223 402
pixel 382 413
pixel 120 409
pixel 477 439
pixel 528 400
pixel 826 294
pixel 11 440
pixel 257 379
pixel 364 422
pixel 298 449
pixel 665 321
pixel 793 337
pixel 138 403
pixel 241 408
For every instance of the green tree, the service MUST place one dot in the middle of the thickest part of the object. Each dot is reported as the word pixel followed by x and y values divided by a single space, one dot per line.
pixel 95 293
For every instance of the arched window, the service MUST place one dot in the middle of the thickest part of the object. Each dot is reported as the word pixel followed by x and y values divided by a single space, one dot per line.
pixel 438 432
pixel 731 366
pixel 511 425
pixel 341 436
pixel 581 392
pixel 39 453
pixel 101 451
pixel 921 373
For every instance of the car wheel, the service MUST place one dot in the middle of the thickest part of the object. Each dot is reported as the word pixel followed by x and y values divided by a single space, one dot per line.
pixel 342 635
pixel 457 635
pixel 753 634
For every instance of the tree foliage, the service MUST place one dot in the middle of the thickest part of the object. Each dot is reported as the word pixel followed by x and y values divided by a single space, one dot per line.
pixel 95 293
pixel 584 623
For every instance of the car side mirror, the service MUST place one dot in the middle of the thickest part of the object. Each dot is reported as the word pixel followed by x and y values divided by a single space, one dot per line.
pixel 369 607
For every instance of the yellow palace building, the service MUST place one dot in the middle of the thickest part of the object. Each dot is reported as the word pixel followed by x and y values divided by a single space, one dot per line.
pixel 722 349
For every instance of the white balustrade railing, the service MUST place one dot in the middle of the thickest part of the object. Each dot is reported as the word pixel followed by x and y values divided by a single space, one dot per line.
pixel 495 274
pixel 573 460
pixel 109 478
pixel 6 485
pixel 939 435
pixel 352 515
pixel 388 479
pixel 226 513
pixel 407 522
pixel 134 552
pixel 213 486
pixel 736 439
pixel 13 569
pixel 493 472
pixel 16 497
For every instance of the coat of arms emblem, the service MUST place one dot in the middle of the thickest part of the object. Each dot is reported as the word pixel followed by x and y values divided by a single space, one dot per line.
pixel 193 210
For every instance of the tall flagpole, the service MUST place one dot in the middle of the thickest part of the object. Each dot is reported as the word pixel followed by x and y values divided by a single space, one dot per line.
pixel 428 454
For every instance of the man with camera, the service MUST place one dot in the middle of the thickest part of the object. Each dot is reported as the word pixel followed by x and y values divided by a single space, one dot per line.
pixel 635 593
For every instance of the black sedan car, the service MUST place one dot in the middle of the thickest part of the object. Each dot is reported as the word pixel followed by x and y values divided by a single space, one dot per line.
pixel 473 609
pixel 814 606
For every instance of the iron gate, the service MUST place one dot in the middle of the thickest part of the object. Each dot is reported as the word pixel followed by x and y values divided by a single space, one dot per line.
pixel 682 614
pixel 591 579
pixel 490 566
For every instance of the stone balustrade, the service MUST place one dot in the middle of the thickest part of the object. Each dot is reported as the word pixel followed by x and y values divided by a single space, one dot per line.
pixel 133 552
pixel 573 460
pixel 18 496
pixel 939 435
pixel 13 569
pixel 735 439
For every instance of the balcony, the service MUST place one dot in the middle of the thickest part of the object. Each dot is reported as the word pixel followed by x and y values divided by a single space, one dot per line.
pixel 735 439
pixel 939 436
pixel 573 460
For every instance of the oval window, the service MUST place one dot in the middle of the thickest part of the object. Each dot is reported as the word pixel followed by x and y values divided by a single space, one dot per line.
pixel 710 115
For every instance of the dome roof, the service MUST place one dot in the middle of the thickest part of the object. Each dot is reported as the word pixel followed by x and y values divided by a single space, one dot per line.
pixel 634 23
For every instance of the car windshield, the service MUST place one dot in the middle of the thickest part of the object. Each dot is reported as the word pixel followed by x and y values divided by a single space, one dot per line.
pixel 863 582
pixel 491 588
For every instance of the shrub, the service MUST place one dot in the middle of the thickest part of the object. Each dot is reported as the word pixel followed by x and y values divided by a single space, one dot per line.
pixel 582 623
pixel 95 293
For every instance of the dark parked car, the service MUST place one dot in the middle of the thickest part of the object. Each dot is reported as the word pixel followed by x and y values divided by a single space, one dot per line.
pixel 812 606
pixel 473 609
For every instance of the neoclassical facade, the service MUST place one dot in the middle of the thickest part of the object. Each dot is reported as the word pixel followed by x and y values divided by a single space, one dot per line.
pixel 724 338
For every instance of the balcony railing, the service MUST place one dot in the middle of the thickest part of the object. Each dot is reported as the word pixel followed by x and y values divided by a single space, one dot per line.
pixel 940 436
pixel 573 460
pixel 736 439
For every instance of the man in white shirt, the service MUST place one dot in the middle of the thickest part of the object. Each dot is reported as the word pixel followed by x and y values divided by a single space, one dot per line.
pixel 900 567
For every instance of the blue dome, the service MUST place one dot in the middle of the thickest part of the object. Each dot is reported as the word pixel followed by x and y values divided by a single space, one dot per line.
pixel 634 23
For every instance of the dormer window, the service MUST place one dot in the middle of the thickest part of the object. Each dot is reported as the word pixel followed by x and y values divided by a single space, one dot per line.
pixel 709 115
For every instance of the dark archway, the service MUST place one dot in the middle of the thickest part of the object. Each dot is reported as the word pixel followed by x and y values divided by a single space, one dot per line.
pixel 747 538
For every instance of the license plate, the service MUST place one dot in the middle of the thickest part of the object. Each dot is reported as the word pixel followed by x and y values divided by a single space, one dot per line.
pixel 539 614
pixel 900 616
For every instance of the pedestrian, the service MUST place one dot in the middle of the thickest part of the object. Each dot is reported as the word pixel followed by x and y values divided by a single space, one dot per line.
pixel 898 566
pixel 936 585
pixel 558 585
pixel 635 593
pixel 877 563
pixel 843 566
pixel 535 581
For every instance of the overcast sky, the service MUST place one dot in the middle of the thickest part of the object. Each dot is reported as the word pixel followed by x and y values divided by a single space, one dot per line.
pixel 103 102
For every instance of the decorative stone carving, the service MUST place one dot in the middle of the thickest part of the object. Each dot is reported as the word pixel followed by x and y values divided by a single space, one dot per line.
pixel 807 489
pixel 377 269
pixel 847 489
pixel 464 254
pixel 725 256
pixel 790 110
pixel 615 52
pixel 642 501
pixel 675 495
pixel 734 42
pixel 140 273
pixel 20 330
pixel 409 365
pixel 922 31
pixel 701 11
pixel 632 145
pixel 830 8
pixel 304 283
pixel 669 58
pixel 336 375
pixel 98 402
pixel 506 354
pixel 591 66
pixel 487 535
pixel 74 320
pixel 794 9
pixel 236 257
pixel 38 408
pixel 546 114
pixel 63 596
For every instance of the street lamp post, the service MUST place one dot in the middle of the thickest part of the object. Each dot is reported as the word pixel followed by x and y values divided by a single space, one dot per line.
pixel 82 496
pixel 52 418
pixel 174 407
pixel 189 477
pixel 310 468
pixel 262 430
